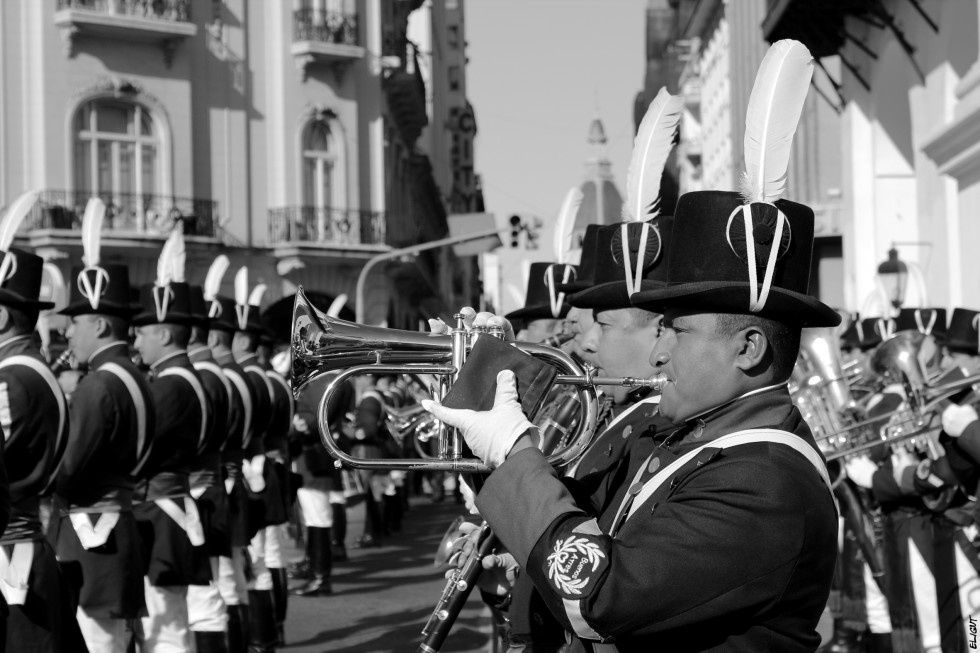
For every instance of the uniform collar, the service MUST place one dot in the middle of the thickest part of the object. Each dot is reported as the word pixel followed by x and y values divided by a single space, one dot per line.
pixel 223 358
pixel 174 359
pixel 199 353
pixel 117 349
pixel 762 407
pixel 16 344
pixel 247 359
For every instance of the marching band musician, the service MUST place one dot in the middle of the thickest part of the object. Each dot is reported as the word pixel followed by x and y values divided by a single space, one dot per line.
pixel 371 440
pixel 232 582
pixel 266 506
pixel 34 421
pixel 679 564
pixel 544 304
pixel 278 458
pixel 167 516
pixel 206 609
pixel 112 420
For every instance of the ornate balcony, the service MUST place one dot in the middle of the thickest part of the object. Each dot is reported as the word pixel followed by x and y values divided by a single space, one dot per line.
pixel 325 37
pixel 164 22
pixel 128 215
pixel 325 227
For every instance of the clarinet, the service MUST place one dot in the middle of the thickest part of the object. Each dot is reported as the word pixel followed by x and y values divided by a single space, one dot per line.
pixel 454 595
pixel 65 361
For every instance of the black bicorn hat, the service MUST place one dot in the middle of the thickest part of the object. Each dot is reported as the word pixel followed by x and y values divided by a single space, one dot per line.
pixel 20 280
pixel 630 257
pixel 168 299
pixel 101 290
pixel 585 270
pixel 20 271
pixel 850 337
pixel 713 266
pixel 545 301
pixel 927 321
pixel 248 303
pixel 199 307
pixel 962 334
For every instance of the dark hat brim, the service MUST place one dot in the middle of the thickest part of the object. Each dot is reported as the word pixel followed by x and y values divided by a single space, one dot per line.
pixel 183 319
pixel 574 286
pixel 964 346
pixel 14 300
pixel 538 312
pixel 105 308
pixel 608 296
pixel 782 305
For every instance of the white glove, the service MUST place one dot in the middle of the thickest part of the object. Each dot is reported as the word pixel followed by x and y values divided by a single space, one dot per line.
pixel 860 469
pixel 490 434
pixel 957 418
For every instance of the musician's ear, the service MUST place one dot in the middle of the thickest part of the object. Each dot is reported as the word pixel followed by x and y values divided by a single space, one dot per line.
pixel 6 321
pixel 103 329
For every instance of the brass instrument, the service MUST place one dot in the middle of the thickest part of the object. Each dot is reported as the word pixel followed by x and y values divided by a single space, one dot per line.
pixel 896 361
pixel 322 344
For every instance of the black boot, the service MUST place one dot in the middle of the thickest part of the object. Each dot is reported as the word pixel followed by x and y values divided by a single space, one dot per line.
pixel 238 629
pixel 262 622
pixel 210 642
pixel 321 561
pixel 280 590
pixel 339 511
pixel 372 523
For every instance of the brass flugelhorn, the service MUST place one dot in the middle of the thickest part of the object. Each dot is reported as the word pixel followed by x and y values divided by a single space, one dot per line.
pixel 322 345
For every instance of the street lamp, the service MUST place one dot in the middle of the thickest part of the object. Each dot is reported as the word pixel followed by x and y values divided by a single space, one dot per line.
pixel 894 276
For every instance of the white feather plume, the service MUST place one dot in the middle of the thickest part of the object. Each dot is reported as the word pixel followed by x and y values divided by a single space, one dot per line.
pixel 566 223
pixel 170 265
pixel 92 231
pixel 336 305
pixel 14 217
pixel 772 117
pixel 652 146
pixel 255 297
pixel 241 286
pixel 212 282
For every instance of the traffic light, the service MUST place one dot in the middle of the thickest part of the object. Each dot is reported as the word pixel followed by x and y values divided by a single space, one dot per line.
pixel 515 231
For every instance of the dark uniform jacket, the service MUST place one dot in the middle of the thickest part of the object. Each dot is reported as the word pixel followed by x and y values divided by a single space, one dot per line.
pixel 241 409
pixel 281 421
pixel 735 553
pixel 111 427
pixel 206 471
pixel 261 388
pixel 181 408
pixel 34 418
pixel 181 413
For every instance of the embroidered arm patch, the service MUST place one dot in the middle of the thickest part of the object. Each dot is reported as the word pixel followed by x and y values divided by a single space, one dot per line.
pixel 576 563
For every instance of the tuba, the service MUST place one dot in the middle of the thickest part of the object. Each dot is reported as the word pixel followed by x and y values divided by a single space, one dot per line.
pixel 325 345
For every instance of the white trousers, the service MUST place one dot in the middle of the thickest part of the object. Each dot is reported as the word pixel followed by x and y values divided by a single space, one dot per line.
pixel 314 504
pixel 231 578
pixel 261 576
pixel 879 620
pixel 164 629
pixel 206 610
pixel 102 635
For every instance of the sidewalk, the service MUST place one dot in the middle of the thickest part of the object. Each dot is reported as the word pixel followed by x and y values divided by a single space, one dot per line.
pixel 383 597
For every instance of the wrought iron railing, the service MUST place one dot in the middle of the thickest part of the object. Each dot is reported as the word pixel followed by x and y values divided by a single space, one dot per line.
pixel 171 10
pixel 126 213
pixel 325 26
pixel 309 224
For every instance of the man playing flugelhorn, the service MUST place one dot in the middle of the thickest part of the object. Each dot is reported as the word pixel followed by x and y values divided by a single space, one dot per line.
pixel 725 537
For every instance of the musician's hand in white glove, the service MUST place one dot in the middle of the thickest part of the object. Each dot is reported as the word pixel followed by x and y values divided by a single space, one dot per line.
pixel 957 418
pixel 500 569
pixel 490 434
pixel 473 320
pixel 860 469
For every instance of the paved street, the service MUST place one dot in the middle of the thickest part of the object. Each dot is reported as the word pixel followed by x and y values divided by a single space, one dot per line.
pixel 382 597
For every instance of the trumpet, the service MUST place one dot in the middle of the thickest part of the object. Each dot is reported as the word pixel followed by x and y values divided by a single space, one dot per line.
pixel 322 345
pixel 64 362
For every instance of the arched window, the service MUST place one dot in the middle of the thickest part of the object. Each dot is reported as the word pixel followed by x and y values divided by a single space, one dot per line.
pixel 325 216
pixel 117 155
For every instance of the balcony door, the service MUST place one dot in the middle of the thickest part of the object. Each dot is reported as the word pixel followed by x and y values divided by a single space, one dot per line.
pixel 117 159
pixel 319 160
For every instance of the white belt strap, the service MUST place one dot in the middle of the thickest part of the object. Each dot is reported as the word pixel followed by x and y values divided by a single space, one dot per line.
pixel 239 383
pixel 188 519
pixel 15 572
pixel 45 373
pixel 216 370
pixel 749 436
pixel 195 383
pixel 134 391
pixel 93 536
pixel 255 369
pixel 649 400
